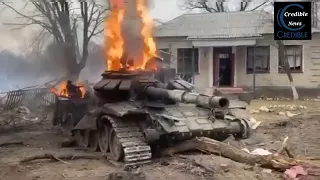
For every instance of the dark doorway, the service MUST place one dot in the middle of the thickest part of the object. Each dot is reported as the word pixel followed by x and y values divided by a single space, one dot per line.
pixel 223 71
pixel 225 74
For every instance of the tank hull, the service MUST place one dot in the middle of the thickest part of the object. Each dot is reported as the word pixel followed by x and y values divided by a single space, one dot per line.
pixel 140 128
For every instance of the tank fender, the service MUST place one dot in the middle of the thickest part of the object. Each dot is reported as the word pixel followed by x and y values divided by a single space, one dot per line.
pixel 87 122
pixel 112 112
pixel 135 112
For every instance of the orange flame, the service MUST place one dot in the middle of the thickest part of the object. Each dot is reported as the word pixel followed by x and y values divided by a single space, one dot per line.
pixel 114 40
pixel 149 46
pixel 61 89
pixel 112 32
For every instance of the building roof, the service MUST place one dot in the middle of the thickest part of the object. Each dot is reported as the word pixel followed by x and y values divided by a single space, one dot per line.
pixel 218 25
pixel 223 25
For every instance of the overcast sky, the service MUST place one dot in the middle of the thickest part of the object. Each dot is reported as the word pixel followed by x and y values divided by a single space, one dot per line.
pixel 16 39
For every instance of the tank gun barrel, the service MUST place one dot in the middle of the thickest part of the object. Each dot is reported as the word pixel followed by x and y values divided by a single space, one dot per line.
pixel 188 97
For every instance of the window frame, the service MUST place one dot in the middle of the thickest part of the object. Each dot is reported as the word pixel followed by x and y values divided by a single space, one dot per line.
pixel 286 47
pixel 196 56
pixel 257 71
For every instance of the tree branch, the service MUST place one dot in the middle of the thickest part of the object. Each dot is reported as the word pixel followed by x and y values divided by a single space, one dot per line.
pixel 218 5
pixel 60 20
pixel 32 19
pixel 260 5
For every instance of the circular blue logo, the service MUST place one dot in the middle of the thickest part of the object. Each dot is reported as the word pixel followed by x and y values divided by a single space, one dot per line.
pixel 281 16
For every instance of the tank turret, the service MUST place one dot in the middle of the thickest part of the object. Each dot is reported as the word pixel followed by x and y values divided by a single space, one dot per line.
pixel 142 86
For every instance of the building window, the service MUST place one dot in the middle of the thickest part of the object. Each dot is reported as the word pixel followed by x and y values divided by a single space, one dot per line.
pixel 165 54
pixel 185 60
pixel 261 56
pixel 293 54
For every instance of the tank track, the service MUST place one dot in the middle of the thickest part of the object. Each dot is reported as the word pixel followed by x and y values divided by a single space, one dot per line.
pixel 136 150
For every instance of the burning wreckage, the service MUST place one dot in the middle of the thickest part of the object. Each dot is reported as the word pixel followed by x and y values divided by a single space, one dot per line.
pixel 132 108
pixel 132 111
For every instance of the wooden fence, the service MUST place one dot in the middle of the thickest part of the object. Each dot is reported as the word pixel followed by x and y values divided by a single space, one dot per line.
pixel 32 98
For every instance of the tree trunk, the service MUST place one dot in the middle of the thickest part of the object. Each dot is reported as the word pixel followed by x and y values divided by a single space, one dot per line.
pixel 74 74
pixel 286 66
pixel 74 68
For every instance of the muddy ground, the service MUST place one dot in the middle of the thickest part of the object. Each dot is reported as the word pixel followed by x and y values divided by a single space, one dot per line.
pixel 39 137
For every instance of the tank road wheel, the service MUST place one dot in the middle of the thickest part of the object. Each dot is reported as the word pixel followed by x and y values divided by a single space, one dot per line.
pixel 104 138
pixel 116 149
pixel 93 140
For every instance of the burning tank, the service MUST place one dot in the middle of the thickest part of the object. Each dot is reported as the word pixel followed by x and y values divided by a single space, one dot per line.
pixel 133 111
pixel 133 108
pixel 71 104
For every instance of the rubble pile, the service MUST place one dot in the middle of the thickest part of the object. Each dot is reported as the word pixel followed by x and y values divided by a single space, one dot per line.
pixel 19 116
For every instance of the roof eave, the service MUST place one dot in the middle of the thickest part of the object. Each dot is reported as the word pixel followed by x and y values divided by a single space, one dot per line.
pixel 227 38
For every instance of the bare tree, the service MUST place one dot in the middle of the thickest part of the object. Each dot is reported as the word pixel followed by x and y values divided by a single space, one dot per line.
pixel 221 5
pixel 285 64
pixel 62 19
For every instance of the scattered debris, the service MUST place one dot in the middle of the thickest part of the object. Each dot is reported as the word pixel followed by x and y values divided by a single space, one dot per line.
pixel 286 110
pixel 164 162
pixel 11 143
pixel 281 113
pixel 225 167
pixel 271 161
pixel 255 123
pixel 58 157
pixel 294 172
pixel 25 114
pixel 288 114
pixel 23 110
pixel 254 111
pixel 267 171
pixel 258 151
pixel 127 175
pixel 198 163
pixel 265 109
pixel 249 168
pixel 286 99
pixel 289 106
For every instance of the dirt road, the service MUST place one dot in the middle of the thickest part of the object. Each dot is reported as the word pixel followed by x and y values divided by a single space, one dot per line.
pixel 40 137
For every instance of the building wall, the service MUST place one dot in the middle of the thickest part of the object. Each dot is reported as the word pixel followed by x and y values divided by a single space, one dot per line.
pixel 202 80
pixel 310 65
pixel 309 78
